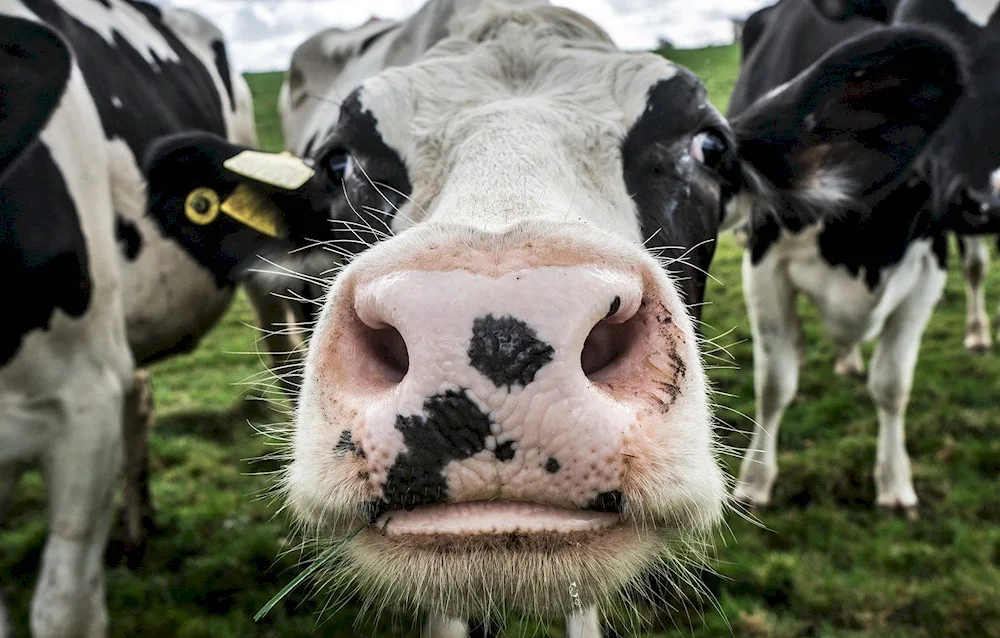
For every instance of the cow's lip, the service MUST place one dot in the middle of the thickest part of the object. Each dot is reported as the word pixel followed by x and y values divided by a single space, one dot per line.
pixel 482 518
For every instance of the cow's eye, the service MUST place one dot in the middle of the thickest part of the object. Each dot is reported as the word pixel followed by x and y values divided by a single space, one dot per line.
pixel 709 148
pixel 338 164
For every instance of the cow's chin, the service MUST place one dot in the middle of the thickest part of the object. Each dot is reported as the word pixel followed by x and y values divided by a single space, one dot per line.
pixel 490 558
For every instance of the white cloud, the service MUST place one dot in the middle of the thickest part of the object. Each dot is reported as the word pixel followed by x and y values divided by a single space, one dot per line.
pixel 262 33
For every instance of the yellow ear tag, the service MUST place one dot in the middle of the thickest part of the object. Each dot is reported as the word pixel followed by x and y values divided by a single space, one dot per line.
pixel 253 209
pixel 202 206
pixel 283 170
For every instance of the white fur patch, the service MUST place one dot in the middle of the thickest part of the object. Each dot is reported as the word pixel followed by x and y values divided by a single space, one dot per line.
pixel 978 12
pixel 126 21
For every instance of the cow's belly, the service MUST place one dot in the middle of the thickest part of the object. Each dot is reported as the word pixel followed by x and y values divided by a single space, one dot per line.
pixel 171 301
pixel 851 311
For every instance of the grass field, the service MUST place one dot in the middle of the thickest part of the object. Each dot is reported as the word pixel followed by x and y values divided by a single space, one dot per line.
pixel 827 564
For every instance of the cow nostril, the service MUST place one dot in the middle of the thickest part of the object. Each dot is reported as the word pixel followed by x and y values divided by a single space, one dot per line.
pixel 387 352
pixel 607 344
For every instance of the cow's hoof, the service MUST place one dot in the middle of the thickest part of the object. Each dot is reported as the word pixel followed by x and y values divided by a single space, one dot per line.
pixel 129 546
pixel 751 497
pixel 978 343
pixel 850 365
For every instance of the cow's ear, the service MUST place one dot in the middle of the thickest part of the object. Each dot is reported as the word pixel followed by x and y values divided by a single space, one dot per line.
pixel 34 71
pixel 844 130
pixel 227 204
pixel 880 10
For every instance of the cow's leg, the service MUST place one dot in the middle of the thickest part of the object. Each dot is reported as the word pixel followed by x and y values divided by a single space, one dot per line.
pixel 81 467
pixel 849 362
pixel 137 520
pixel 975 263
pixel 10 474
pixel 442 627
pixel 770 299
pixel 889 383
pixel 284 347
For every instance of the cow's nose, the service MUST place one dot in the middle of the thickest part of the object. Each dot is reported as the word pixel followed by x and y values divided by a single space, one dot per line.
pixel 522 386
pixel 429 330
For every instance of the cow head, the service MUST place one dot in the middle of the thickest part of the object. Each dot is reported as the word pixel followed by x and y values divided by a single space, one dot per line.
pixel 504 404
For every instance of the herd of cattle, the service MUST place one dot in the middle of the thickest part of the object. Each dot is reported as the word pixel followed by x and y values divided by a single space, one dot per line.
pixel 502 405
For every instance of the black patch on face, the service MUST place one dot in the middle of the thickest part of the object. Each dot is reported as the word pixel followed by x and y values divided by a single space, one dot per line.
pixel 43 254
pixel 451 428
pixel 129 239
pixel 507 351
pixel 610 502
pixel 675 209
pixel 222 66
pixel 504 451
pixel 346 444
pixel 552 466
pixel 615 305
pixel 379 183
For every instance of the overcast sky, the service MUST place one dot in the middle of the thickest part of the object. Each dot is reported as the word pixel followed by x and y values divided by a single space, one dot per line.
pixel 263 33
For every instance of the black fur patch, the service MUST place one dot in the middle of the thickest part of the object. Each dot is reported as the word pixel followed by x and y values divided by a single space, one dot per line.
pixel 129 239
pixel 507 351
pixel 451 428
pixel 222 66
pixel 346 444
pixel 43 254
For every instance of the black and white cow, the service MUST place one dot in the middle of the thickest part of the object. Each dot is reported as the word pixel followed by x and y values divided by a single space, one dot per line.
pixel 504 406
pixel 874 272
pixel 961 160
pixel 99 286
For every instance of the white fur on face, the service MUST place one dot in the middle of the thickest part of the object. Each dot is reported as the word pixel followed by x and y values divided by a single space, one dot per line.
pixel 516 128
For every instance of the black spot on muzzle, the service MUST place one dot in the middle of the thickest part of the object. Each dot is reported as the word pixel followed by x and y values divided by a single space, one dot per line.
pixel 507 351
pixel 451 428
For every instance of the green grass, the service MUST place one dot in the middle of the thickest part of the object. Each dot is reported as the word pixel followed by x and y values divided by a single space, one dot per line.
pixel 828 563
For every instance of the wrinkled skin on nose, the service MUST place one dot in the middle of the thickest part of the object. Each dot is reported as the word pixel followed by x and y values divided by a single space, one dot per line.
pixel 495 403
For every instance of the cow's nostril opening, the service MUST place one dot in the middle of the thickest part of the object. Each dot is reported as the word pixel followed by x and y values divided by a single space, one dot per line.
pixel 387 352
pixel 607 344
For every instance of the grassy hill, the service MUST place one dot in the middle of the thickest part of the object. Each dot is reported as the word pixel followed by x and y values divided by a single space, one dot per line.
pixel 827 563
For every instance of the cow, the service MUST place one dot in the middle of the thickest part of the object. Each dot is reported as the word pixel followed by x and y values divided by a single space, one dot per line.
pixel 504 407
pixel 796 36
pixel 967 153
pixel 874 272
pixel 85 88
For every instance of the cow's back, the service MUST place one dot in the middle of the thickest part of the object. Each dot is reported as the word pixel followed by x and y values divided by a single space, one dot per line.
pixel 150 72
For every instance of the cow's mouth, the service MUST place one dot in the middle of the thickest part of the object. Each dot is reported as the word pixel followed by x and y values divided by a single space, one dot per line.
pixel 481 518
